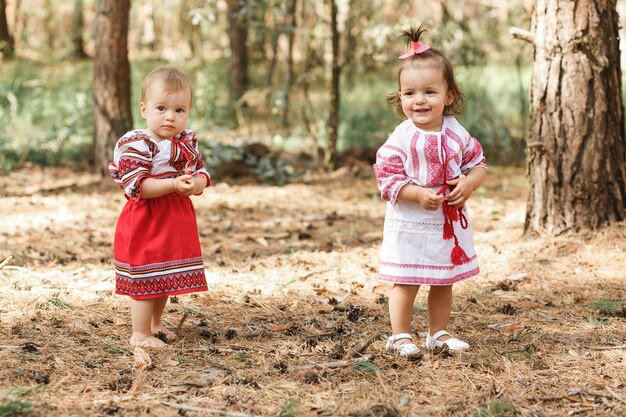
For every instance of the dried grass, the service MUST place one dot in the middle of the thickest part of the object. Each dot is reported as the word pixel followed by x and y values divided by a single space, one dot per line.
pixel 278 332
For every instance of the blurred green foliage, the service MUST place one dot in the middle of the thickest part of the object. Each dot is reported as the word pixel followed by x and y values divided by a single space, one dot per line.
pixel 46 112
pixel 46 118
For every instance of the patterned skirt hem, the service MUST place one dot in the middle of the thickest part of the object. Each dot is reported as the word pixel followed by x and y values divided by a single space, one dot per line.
pixel 163 294
pixel 414 280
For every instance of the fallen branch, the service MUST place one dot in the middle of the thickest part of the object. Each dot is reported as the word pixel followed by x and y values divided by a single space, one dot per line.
pixel 180 323
pixel 359 349
pixel 216 349
pixel 28 346
pixel 227 413
pixel 615 395
pixel 332 365
pixel 607 347
pixel 331 412
pixel 6 261
pixel 16 268
pixel 310 274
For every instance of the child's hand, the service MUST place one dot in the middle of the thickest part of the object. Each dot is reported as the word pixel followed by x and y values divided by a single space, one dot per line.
pixel 184 185
pixel 430 200
pixel 463 189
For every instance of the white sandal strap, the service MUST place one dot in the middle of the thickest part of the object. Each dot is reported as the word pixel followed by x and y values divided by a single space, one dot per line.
pixel 439 334
pixel 399 336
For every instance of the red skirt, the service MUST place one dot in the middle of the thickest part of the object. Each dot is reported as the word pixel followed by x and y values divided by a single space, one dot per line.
pixel 157 248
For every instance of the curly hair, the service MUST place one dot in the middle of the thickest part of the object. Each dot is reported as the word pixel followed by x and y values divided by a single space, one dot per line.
pixel 429 57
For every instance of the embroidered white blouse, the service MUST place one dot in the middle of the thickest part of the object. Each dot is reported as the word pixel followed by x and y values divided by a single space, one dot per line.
pixel 413 249
pixel 138 156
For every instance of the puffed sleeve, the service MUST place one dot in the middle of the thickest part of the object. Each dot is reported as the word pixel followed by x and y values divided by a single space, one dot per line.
pixel 389 168
pixel 473 156
pixel 200 168
pixel 132 163
pixel 196 162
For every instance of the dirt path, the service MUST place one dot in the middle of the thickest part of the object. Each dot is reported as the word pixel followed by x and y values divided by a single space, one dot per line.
pixel 293 293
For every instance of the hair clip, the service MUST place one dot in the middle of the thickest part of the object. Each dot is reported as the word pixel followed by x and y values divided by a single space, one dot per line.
pixel 418 48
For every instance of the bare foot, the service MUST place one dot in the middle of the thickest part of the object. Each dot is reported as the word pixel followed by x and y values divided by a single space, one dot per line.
pixel 147 341
pixel 169 335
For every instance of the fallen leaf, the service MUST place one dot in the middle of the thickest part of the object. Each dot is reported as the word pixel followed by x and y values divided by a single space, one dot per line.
pixel 170 361
pixel 142 359
pixel 505 327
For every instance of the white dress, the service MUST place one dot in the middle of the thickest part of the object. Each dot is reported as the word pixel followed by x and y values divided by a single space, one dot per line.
pixel 414 250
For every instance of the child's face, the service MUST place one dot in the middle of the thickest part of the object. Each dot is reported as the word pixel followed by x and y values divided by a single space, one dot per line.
pixel 424 96
pixel 166 113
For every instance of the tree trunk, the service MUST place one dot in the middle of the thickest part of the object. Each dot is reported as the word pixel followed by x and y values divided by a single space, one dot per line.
pixel 7 47
pixel 333 112
pixel 111 81
pixel 269 77
pixel 49 27
pixel 576 153
pixel 291 24
pixel 78 24
pixel 238 37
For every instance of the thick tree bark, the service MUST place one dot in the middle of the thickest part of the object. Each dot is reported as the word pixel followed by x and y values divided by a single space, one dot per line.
pixel 238 37
pixel 333 112
pixel 111 78
pixel 7 47
pixel 576 151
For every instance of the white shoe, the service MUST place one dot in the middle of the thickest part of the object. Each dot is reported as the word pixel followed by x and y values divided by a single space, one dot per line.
pixel 404 349
pixel 453 343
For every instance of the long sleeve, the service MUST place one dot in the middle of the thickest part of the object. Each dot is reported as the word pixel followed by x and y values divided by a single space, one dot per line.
pixel 389 169
pixel 199 167
pixel 132 163
pixel 473 156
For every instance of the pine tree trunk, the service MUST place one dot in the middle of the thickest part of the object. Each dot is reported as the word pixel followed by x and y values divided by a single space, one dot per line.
pixel 333 112
pixel 576 151
pixel 111 82
pixel 238 36
pixel 6 40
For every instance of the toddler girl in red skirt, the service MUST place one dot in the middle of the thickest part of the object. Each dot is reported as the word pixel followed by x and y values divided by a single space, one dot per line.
pixel 157 248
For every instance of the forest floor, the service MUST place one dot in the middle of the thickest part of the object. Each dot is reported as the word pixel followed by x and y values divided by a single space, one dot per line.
pixel 293 300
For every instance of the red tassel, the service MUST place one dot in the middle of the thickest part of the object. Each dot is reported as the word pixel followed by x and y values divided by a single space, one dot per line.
pixel 448 232
pixel 458 256
pixel 451 213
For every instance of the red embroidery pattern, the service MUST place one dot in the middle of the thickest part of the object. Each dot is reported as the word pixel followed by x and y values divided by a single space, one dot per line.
pixel 395 149
pixel 139 136
pixel 414 156
pixel 475 152
pixel 387 175
pixel 163 279
pixel 434 171
pixel 429 280
pixel 183 153
pixel 423 266
pixel 450 134
pixel 177 283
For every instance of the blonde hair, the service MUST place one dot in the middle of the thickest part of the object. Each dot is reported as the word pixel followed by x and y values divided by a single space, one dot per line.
pixel 173 80
pixel 431 57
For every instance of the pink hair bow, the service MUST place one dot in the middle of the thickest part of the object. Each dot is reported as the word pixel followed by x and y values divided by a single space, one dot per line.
pixel 418 48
